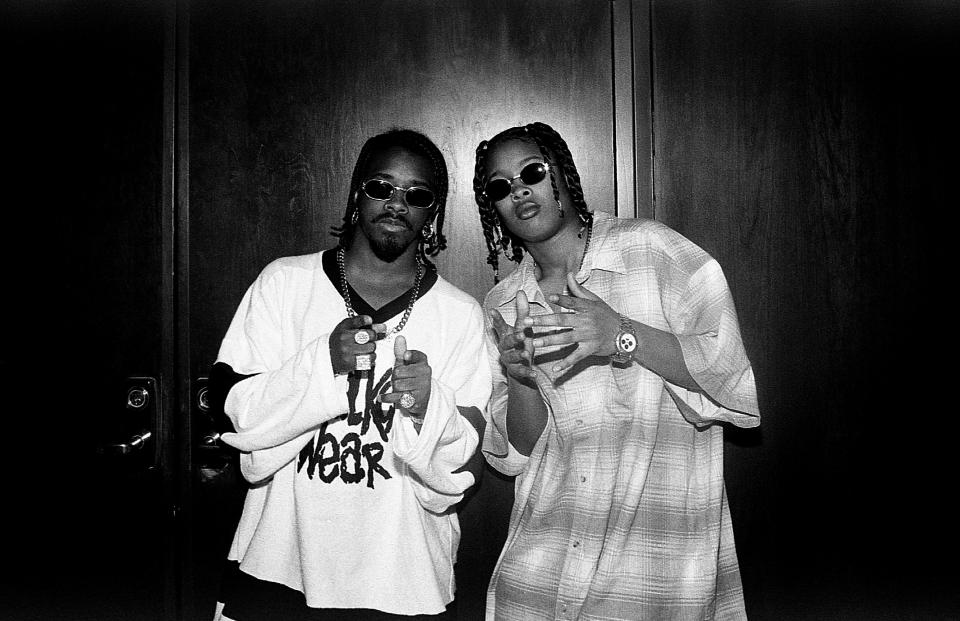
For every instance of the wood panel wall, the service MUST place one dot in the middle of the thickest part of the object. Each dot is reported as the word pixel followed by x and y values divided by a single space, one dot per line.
pixel 282 96
pixel 805 146
pixel 802 144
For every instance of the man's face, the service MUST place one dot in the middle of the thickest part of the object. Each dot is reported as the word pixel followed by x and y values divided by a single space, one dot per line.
pixel 391 225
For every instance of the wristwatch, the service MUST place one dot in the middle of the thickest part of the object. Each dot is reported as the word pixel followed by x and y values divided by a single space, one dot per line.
pixel 626 342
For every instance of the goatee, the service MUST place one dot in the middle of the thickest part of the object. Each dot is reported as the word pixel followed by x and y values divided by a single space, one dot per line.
pixel 388 247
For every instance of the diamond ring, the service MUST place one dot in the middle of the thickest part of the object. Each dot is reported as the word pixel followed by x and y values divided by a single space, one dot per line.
pixel 407 401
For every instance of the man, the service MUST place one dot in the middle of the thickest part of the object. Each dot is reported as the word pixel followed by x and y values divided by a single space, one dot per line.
pixel 354 380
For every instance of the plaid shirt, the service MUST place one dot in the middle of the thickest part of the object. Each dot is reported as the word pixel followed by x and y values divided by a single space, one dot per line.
pixel 620 509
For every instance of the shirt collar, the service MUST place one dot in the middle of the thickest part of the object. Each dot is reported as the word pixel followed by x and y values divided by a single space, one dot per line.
pixel 603 254
pixel 526 276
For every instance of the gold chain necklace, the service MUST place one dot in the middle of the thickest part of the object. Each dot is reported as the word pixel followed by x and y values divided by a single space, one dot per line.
pixel 345 291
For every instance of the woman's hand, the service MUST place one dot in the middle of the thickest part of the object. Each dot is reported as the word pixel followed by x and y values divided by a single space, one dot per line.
pixel 516 348
pixel 592 327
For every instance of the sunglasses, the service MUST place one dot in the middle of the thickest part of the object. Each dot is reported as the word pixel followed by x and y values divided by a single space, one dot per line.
pixel 532 173
pixel 415 196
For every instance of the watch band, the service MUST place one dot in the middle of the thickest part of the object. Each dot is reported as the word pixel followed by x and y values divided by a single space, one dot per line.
pixel 626 342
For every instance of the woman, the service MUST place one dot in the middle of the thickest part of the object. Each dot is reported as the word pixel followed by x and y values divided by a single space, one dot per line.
pixel 616 352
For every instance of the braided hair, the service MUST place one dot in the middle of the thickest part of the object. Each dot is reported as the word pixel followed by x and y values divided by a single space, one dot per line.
pixel 415 142
pixel 499 238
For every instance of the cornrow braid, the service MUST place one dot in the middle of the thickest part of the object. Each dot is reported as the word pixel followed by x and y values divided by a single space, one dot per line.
pixel 414 142
pixel 498 238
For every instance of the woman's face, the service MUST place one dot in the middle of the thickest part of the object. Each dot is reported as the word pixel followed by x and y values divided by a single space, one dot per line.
pixel 529 210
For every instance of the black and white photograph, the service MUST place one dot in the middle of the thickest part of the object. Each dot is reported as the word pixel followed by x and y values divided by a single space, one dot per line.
pixel 479 310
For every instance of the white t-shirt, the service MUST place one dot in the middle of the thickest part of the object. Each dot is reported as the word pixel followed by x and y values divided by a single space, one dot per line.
pixel 349 504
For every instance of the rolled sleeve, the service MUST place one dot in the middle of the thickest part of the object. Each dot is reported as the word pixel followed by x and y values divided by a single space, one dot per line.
pixel 713 352
pixel 445 443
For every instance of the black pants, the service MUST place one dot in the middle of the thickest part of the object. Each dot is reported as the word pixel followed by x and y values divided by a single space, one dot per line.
pixel 246 598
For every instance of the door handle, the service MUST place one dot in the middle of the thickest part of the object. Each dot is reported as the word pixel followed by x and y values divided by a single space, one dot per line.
pixel 130 425
pixel 210 437
pixel 214 460
pixel 136 443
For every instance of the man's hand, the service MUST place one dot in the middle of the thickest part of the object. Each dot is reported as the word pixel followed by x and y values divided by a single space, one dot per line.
pixel 593 326
pixel 411 376
pixel 516 348
pixel 344 347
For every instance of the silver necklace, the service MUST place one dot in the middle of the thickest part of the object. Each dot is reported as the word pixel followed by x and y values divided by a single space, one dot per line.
pixel 345 291
pixel 586 245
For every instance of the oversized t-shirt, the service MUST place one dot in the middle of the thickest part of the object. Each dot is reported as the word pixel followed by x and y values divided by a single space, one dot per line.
pixel 349 504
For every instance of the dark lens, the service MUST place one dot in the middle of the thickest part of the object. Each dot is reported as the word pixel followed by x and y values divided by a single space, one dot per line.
pixel 378 189
pixel 420 198
pixel 497 189
pixel 533 173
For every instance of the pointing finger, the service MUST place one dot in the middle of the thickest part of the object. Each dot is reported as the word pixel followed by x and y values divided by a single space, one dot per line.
pixel 400 349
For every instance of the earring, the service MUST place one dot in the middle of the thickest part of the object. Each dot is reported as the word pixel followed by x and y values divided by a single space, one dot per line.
pixel 354 216
pixel 427 233
pixel 560 207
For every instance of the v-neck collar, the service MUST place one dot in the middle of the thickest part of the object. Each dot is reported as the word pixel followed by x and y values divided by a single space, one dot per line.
pixel 389 310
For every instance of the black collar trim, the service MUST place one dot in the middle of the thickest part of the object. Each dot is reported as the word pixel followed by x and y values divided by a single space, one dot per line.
pixel 389 310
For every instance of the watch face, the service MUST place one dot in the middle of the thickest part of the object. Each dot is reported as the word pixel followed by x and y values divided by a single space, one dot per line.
pixel 626 342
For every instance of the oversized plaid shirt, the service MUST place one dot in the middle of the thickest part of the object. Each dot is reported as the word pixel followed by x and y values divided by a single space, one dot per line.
pixel 620 510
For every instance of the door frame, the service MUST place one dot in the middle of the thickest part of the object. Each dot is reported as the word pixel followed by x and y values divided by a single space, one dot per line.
pixel 631 63
pixel 175 427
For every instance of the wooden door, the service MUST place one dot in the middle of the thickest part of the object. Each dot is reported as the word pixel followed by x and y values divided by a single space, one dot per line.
pixel 87 495
pixel 282 96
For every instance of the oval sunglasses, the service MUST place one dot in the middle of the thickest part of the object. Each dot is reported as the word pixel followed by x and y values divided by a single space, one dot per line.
pixel 532 173
pixel 416 196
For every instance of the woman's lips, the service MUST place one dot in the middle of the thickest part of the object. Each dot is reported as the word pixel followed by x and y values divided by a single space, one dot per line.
pixel 527 210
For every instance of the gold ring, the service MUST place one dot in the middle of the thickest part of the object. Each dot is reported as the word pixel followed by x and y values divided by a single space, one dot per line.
pixel 361 337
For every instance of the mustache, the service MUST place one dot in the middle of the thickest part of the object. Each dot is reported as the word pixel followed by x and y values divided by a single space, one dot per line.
pixel 398 218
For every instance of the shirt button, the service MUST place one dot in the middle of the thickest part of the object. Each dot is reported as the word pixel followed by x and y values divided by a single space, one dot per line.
pixel 583 479
pixel 576 544
pixel 579 422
